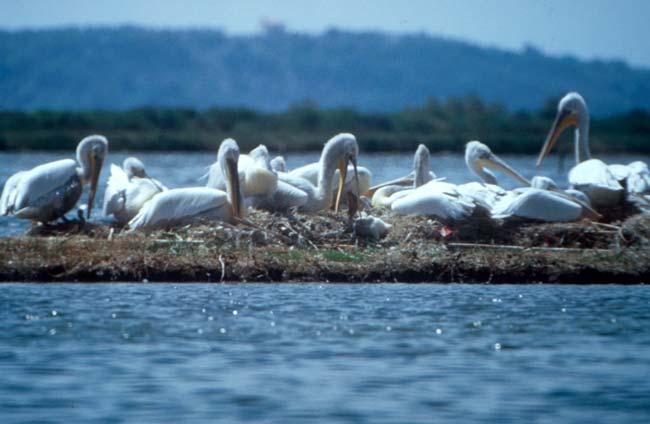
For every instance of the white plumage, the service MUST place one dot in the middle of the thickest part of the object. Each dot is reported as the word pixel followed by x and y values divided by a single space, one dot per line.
pixel 46 192
pixel 128 189
pixel 183 206
pixel 600 182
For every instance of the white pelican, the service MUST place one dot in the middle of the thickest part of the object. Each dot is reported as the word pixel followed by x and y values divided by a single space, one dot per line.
pixel 46 192
pixel 187 205
pixel 546 183
pixel 255 177
pixel 591 176
pixel 311 173
pixel 548 205
pixel 428 197
pixel 280 198
pixel 383 195
pixel 337 153
pixel 128 188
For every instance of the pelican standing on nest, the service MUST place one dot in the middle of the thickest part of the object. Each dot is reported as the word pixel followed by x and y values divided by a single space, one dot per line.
pixel 591 176
pixel 337 153
pixel 47 192
pixel 183 206
pixel 128 189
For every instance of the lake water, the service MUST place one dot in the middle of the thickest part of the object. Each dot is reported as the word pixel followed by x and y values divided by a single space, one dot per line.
pixel 177 169
pixel 112 353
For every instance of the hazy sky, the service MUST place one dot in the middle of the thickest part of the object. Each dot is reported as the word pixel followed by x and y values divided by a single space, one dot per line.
pixel 607 29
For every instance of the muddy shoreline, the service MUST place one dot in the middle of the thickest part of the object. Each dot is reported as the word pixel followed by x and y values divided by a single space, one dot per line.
pixel 323 249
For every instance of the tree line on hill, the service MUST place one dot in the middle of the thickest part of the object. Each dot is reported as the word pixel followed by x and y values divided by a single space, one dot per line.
pixel 442 126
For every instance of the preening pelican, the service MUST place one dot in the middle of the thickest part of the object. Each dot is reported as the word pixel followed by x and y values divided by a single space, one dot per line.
pixel 46 192
pixel 337 153
pixel 183 206
pixel 591 176
pixel 538 204
pixel 383 195
pixel 311 173
pixel 128 189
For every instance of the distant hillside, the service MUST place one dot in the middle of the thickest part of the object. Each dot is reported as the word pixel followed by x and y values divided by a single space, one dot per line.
pixel 130 67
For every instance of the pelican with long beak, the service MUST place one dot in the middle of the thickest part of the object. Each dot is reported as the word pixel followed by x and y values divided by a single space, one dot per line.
pixel 128 189
pixel 184 206
pixel 339 154
pixel 47 192
pixel 591 176
pixel 356 179
pixel 547 204
pixel 255 176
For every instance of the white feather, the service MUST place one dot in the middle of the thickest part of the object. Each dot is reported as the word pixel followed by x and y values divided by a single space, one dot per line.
pixel 183 205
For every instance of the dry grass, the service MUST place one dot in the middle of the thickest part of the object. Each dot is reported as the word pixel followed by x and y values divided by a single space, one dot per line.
pixel 324 248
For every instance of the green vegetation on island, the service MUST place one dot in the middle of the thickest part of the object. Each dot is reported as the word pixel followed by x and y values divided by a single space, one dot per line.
pixel 442 126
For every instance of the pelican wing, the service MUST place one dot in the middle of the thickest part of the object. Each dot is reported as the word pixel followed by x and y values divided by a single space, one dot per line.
pixel 114 196
pixel 43 180
pixel 537 204
pixel 482 194
pixel 307 172
pixel 9 192
pixel 182 206
pixel 595 179
pixel 436 204
pixel 638 179
pixel 593 172
pixel 283 198
pixel 383 197
pixel 618 171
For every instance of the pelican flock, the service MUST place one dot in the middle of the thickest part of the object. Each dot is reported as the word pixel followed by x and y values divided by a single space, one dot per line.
pixel 236 182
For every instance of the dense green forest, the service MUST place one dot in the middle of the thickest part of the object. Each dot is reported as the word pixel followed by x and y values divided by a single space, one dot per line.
pixel 440 125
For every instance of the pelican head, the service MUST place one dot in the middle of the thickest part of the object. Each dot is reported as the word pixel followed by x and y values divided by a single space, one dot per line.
pixel 543 183
pixel 91 152
pixel 227 159
pixel 278 164
pixel 480 160
pixel 571 111
pixel 133 167
pixel 342 149
pixel 421 166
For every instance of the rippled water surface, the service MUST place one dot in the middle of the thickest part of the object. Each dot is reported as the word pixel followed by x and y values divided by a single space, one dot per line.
pixel 177 169
pixel 112 353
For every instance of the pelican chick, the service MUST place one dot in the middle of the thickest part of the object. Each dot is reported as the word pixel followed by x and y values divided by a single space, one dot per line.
pixel 371 227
